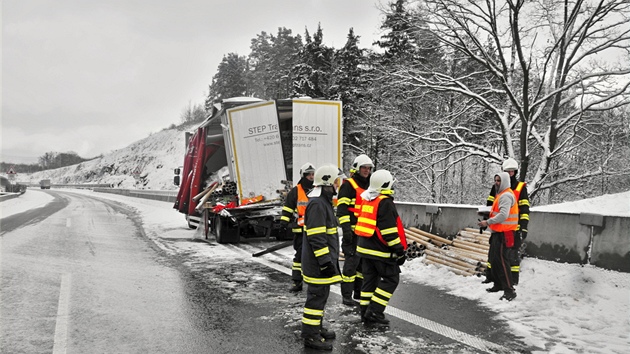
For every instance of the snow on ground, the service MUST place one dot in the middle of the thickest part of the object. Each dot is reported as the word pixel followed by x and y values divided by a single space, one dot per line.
pixel 560 308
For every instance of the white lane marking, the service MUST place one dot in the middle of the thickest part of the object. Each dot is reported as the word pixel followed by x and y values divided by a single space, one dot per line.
pixel 427 324
pixel 61 327
pixel 68 222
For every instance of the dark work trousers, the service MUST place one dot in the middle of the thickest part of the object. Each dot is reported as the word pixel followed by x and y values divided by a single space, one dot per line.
pixel 489 263
pixel 515 258
pixel 351 275
pixel 380 280
pixel 499 255
pixel 313 317
pixel 296 269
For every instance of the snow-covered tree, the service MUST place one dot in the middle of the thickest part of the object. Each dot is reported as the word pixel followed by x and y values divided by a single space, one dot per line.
pixel 312 74
pixel 551 72
pixel 270 61
pixel 230 79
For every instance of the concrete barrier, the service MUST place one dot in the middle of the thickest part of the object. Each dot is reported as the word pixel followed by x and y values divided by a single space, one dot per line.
pixel 600 240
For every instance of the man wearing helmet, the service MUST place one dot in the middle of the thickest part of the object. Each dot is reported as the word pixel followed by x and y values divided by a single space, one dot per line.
pixel 520 192
pixel 382 244
pixel 320 255
pixel 295 204
pixel 348 208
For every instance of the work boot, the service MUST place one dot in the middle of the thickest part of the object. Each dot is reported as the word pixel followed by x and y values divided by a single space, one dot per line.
pixel 363 308
pixel 316 341
pixel 494 289
pixel 515 277
pixel 374 317
pixel 508 295
pixel 327 333
pixel 348 301
pixel 486 281
pixel 297 286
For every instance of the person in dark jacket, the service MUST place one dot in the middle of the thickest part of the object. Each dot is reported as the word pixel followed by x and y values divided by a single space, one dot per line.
pixel 320 257
pixel 381 245
pixel 348 208
pixel 503 222
pixel 293 215
pixel 520 191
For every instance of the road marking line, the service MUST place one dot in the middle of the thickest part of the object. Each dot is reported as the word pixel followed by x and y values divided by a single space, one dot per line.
pixel 61 327
pixel 427 324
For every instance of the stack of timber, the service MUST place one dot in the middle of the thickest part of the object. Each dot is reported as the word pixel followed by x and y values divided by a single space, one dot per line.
pixel 465 254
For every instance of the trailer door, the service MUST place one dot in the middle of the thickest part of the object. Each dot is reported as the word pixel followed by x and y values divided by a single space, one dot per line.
pixel 255 149
pixel 317 133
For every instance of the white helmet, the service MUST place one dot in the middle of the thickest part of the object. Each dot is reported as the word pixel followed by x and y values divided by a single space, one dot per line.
pixel 306 168
pixel 381 180
pixel 510 165
pixel 326 175
pixel 361 160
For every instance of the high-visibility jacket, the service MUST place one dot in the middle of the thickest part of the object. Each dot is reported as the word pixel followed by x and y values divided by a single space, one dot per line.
pixel 511 223
pixel 302 200
pixel 380 238
pixel 520 192
pixel 355 204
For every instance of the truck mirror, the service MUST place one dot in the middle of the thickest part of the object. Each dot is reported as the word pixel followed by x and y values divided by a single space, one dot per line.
pixel 176 180
pixel 177 172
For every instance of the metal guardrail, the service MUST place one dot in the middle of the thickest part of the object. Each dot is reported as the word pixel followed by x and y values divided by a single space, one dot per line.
pixel 164 196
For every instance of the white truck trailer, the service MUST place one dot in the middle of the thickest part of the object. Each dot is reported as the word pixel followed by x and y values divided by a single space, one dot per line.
pixel 238 162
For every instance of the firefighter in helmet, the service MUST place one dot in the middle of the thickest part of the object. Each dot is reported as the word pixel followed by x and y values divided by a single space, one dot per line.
pixel 293 215
pixel 381 245
pixel 348 208
pixel 320 257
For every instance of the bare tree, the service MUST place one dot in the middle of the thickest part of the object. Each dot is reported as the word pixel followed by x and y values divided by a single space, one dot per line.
pixel 546 72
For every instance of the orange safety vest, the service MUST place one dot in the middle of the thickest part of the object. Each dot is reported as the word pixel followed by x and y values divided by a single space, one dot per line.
pixel 357 200
pixel 302 200
pixel 511 223
pixel 366 223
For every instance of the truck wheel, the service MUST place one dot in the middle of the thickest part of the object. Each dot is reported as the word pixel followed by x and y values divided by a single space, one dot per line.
pixel 219 228
pixel 224 231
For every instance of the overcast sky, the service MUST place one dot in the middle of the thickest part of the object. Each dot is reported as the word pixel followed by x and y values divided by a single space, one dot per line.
pixel 94 76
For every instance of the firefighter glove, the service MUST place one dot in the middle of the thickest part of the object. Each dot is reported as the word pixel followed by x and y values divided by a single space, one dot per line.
pixel 348 250
pixel 328 270
pixel 400 256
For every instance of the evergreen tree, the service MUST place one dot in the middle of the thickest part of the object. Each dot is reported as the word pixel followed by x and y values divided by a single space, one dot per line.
pixel 312 74
pixel 271 61
pixel 230 79
pixel 348 84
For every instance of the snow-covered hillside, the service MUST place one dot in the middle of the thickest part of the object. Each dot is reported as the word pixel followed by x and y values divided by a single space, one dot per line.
pixel 155 157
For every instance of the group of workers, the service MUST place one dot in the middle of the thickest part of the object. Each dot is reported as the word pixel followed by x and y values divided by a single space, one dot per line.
pixel 373 240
